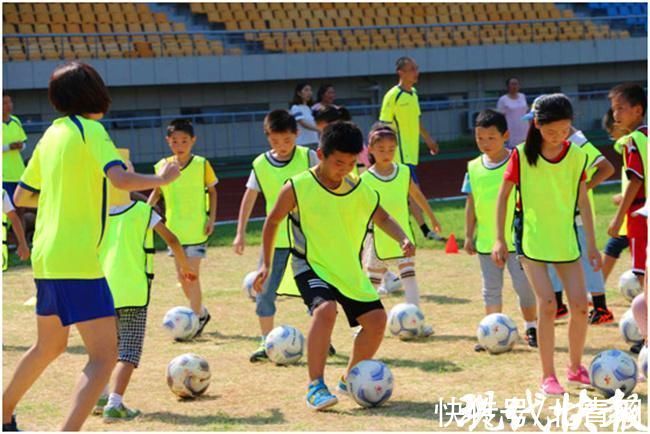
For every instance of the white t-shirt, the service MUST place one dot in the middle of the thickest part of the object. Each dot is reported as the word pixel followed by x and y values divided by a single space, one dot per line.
pixel 252 183
pixel 303 113
pixel 153 221
pixel 514 109
pixel 7 206
pixel 388 177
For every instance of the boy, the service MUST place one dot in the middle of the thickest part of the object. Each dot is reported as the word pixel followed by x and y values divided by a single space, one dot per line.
pixel 126 255
pixel 9 213
pixel 270 171
pixel 320 203
pixel 186 203
pixel 628 103
pixel 482 182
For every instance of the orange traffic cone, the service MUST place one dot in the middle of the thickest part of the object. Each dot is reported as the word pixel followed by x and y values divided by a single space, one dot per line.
pixel 452 246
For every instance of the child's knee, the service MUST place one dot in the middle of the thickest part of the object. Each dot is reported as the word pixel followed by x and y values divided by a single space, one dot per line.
pixel 326 311
pixel 264 306
pixel 375 323
pixel 547 307
pixel 50 350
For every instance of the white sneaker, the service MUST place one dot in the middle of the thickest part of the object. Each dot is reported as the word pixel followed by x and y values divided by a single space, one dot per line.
pixel 382 291
pixel 392 285
pixel 426 331
pixel 434 236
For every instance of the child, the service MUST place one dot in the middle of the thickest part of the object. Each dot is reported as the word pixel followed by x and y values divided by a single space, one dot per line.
pixel 628 103
pixel 9 212
pixel 549 173
pixel 482 181
pixel 66 180
pixel 186 203
pixel 393 182
pixel 320 202
pixel 126 255
pixel 270 171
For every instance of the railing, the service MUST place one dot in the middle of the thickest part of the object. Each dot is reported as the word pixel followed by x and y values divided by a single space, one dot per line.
pixel 250 41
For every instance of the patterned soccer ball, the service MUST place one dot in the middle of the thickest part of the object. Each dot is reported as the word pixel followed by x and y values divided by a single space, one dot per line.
pixel 405 321
pixel 284 345
pixel 497 333
pixel 247 285
pixel 611 370
pixel 370 383
pixel 181 323
pixel 629 285
pixel 642 361
pixel 188 375
pixel 629 329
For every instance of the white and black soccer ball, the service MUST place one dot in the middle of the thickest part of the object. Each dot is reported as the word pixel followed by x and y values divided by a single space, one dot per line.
pixel 629 328
pixel 611 370
pixel 181 323
pixel 188 375
pixel 247 285
pixel 370 383
pixel 405 321
pixel 642 361
pixel 629 286
pixel 284 345
pixel 497 332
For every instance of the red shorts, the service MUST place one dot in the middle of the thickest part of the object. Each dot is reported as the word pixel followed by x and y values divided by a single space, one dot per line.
pixel 637 233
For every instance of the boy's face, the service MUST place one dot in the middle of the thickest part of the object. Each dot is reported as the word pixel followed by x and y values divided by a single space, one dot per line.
pixel 337 165
pixel 626 115
pixel 180 143
pixel 383 150
pixel 7 105
pixel 489 139
pixel 555 132
pixel 282 143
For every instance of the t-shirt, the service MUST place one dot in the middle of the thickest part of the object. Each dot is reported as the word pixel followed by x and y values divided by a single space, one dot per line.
pixel 252 183
pixel 13 165
pixel 401 109
pixel 349 182
pixel 68 169
pixel 210 177
pixel 466 188
pixel 512 169
pixel 303 112
pixel 514 110
pixel 7 206
pixel 153 221
pixel 634 168
pixel 388 177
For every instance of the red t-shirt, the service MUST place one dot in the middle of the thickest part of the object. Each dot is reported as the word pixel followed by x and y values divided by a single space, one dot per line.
pixel 512 169
pixel 634 165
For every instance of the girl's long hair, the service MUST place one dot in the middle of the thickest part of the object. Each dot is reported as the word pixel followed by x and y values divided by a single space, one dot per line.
pixel 548 109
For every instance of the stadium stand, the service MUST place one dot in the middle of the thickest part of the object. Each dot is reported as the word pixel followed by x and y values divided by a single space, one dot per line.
pixel 123 30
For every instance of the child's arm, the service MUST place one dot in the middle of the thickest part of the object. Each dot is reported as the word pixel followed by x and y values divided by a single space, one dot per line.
pixel 25 198
pixel 629 196
pixel 173 243
pixel 605 169
pixel 588 224
pixel 285 203
pixel 131 181
pixel 154 197
pixel 416 194
pixel 430 142
pixel 212 217
pixel 470 225
pixel 388 224
pixel 17 225
pixel 500 249
pixel 245 210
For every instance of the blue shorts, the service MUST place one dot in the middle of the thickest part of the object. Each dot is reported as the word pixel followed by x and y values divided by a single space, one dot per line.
pixel 414 176
pixel 10 188
pixel 74 300
pixel 616 245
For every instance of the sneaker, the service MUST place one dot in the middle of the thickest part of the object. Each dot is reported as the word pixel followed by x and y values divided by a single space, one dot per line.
pixel 636 348
pixel 392 285
pixel 121 412
pixel 11 426
pixel 331 351
pixel 319 397
pixel 426 331
pixel 478 348
pixel 203 321
pixel 600 316
pixel 259 354
pixel 435 236
pixel 562 311
pixel 99 407
pixel 342 386
pixel 382 291
pixel 531 337
pixel 579 378
pixel 551 387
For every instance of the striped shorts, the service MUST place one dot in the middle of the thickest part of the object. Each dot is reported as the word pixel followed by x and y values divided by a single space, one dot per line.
pixel 131 325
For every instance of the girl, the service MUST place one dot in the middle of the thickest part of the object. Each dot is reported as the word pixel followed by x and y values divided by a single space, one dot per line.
pixel 549 173
pixel 308 132
pixel 66 181
pixel 393 183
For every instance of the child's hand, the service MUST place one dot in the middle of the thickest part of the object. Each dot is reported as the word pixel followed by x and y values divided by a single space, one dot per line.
pixel 594 258
pixel 170 171
pixel 614 228
pixel 239 244
pixel 408 249
pixel 499 253
pixel 617 199
pixel 261 277
pixel 209 227
pixel 469 246
pixel 23 251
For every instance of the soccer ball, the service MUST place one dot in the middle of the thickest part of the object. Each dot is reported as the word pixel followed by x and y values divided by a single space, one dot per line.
pixel 642 362
pixel 247 285
pixel 188 375
pixel 284 345
pixel 497 333
pixel 629 285
pixel 181 323
pixel 370 383
pixel 611 370
pixel 405 321
pixel 629 329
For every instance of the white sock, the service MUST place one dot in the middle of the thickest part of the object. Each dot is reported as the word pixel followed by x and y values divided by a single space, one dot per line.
pixel 375 278
pixel 114 400
pixel 411 290
pixel 204 312
pixel 389 276
pixel 530 324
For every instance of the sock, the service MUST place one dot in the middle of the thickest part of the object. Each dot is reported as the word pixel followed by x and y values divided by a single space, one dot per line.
pixel 558 298
pixel 530 324
pixel 375 278
pixel 599 301
pixel 114 400
pixel 411 290
pixel 389 276
pixel 425 229
pixel 204 312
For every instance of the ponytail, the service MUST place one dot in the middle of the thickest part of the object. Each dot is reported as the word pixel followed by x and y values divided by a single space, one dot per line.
pixel 533 146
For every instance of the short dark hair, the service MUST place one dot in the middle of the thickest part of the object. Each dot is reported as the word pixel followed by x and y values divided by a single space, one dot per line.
pixel 343 137
pixel 402 61
pixel 509 79
pixel 321 91
pixel 280 121
pixel 632 93
pixel 608 121
pixel 183 125
pixel 492 118
pixel 76 88
pixel 331 114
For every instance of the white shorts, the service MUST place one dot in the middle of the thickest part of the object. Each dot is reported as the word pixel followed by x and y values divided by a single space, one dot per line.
pixel 370 259
pixel 193 251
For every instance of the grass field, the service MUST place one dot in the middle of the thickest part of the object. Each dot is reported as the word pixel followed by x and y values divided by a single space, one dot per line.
pixel 246 396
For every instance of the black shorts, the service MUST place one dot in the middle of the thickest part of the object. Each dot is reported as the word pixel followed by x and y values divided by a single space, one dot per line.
pixel 616 245
pixel 315 291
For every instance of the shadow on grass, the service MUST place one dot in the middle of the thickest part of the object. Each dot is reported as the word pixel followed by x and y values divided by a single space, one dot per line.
pixel 275 417
pixel 219 335
pixel 73 349
pixel 434 365
pixel 449 338
pixel 443 299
